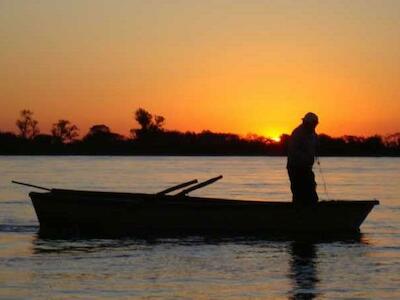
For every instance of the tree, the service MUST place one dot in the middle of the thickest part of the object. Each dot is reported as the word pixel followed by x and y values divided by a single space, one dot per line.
pixel 159 122
pixel 149 124
pixel 101 140
pixel 144 118
pixel 64 131
pixel 98 132
pixel 393 140
pixel 102 133
pixel 27 126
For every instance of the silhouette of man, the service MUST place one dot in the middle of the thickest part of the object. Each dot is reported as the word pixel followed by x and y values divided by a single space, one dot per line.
pixel 301 154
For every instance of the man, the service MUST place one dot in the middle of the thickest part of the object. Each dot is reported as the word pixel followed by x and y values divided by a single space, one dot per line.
pixel 301 154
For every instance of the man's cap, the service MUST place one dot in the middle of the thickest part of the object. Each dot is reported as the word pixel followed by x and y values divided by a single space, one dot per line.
pixel 310 118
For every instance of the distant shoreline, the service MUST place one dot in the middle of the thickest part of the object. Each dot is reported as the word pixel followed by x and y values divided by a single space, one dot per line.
pixel 151 139
pixel 196 155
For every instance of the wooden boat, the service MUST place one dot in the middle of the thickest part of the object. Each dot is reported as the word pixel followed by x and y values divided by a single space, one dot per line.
pixel 135 213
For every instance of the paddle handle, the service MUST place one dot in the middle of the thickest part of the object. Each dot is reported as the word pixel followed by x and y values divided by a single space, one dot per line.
pixel 200 185
pixel 177 187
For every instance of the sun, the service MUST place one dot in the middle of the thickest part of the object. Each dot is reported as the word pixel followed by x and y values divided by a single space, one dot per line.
pixel 273 134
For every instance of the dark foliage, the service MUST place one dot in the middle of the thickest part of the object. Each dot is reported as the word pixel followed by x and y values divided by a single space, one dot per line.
pixel 101 140
pixel 64 132
pixel 27 125
pixel 152 139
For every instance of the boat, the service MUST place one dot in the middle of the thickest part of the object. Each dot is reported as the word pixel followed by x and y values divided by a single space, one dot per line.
pixel 104 213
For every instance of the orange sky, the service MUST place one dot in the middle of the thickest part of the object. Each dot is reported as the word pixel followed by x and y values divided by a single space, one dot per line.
pixel 224 65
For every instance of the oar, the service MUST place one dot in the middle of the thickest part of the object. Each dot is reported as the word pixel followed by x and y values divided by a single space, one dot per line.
pixel 177 187
pixel 31 185
pixel 198 186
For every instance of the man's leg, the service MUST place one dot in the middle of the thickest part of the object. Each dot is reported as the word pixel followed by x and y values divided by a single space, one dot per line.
pixel 310 187
pixel 297 182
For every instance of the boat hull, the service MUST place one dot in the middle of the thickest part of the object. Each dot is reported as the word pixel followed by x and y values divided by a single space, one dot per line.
pixel 119 213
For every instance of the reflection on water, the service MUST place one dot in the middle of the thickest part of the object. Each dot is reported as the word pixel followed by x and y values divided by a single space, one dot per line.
pixel 303 270
pixel 302 252
pixel 300 245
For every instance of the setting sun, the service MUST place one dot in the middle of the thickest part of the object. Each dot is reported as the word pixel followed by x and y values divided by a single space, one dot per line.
pixel 274 133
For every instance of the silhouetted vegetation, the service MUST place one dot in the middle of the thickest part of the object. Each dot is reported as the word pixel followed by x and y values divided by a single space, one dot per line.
pixel 27 125
pixel 150 138
pixel 64 132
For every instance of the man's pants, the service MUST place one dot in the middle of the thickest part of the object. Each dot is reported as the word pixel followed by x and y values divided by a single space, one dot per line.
pixel 303 186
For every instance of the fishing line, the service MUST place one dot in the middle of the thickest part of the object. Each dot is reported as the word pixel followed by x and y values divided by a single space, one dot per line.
pixel 323 179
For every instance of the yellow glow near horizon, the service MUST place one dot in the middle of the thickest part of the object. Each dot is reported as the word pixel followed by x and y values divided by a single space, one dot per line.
pixel 274 133
pixel 227 66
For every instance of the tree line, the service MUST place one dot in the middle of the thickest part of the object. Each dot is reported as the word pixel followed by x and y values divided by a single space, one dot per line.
pixel 151 138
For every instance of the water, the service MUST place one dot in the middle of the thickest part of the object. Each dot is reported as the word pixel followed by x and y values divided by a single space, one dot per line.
pixel 199 267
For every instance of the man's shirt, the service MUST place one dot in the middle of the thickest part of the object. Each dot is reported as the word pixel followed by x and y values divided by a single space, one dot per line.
pixel 302 148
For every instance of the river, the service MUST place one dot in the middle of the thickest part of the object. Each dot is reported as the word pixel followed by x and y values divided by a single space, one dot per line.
pixel 199 267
